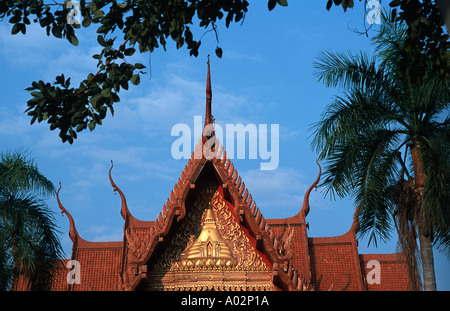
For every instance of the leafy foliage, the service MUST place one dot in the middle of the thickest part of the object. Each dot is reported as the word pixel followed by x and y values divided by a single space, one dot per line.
pixel 149 24
pixel 425 30
pixel 383 113
pixel 28 234
pixel 386 143
pixel 144 25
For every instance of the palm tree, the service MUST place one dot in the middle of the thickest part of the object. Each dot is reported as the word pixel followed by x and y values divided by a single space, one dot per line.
pixel 386 143
pixel 28 240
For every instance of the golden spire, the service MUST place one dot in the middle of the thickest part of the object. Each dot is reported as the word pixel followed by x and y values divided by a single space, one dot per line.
pixel 209 250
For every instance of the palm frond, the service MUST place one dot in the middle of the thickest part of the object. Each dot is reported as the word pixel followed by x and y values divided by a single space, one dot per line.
pixel 32 240
pixel 389 40
pixel 345 70
pixel 19 171
pixel 376 170
pixel 436 157
pixel 385 108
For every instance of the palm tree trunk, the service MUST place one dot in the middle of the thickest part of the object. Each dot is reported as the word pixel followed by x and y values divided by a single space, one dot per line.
pixel 424 223
pixel 426 254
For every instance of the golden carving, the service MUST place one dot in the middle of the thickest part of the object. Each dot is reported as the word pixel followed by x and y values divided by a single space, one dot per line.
pixel 210 251
pixel 236 237
pixel 188 230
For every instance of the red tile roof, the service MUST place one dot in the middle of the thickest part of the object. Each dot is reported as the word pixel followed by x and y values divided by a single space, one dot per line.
pixel 325 263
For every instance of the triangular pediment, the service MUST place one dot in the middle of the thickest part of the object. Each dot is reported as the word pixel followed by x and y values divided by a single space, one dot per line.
pixel 208 180
pixel 208 248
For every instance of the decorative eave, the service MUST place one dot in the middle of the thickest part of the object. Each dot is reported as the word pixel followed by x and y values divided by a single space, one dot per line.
pixel 124 211
pixel 73 233
pixel 305 208
pixel 78 241
pixel 355 224
pixel 287 277
pixel 349 236
pixel 300 217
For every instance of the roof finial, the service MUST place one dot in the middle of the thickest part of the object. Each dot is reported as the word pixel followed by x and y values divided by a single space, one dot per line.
pixel 124 209
pixel 208 116
pixel 355 223
pixel 73 234
pixel 305 207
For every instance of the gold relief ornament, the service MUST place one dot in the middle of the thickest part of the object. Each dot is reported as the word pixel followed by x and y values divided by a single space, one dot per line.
pixel 217 255
pixel 209 250
pixel 247 256
pixel 221 242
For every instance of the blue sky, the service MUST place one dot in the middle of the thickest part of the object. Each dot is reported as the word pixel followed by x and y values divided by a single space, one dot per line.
pixel 264 77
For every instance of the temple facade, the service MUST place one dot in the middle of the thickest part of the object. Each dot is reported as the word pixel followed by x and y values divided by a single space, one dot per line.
pixel 210 235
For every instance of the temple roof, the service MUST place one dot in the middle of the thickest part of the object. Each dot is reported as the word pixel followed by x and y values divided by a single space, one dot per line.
pixel 296 261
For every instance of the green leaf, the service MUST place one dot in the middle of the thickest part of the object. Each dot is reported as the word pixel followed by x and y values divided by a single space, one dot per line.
pixel 115 98
pixel 91 125
pixel 135 79
pixel 282 2
pixel 94 99
pixel 33 119
pixel 139 66
pixel 101 40
pixel 81 127
pixel 129 51
pixel 22 28
pixel 271 4
pixel 394 3
pixel 329 4
pixel 425 21
pixel 106 92
pixel 102 112
pixel 86 21
pixel 15 29
pixel 219 52
pixel 73 39
pixel 15 19
pixel 56 31
pixel 98 14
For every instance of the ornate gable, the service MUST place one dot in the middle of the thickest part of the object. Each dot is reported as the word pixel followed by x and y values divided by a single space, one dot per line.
pixel 208 249
pixel 210 235
pixel 209 196
pixel 176 242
